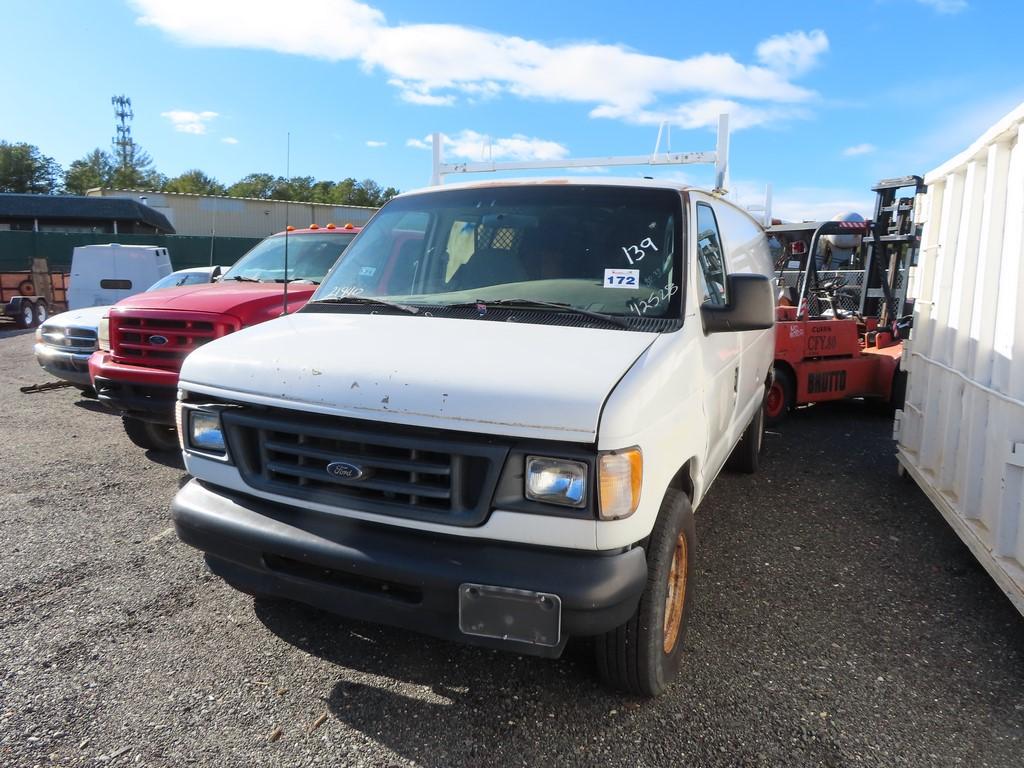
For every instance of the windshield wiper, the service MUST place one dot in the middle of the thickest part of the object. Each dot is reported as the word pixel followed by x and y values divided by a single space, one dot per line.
pixel 367 300
pixel 296 280
pixel 240 278
pixel 561 306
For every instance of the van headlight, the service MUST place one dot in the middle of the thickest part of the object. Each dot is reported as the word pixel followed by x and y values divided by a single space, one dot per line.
pixel 103 335
pixel 619 477
pixel 204 432
pixel 556 481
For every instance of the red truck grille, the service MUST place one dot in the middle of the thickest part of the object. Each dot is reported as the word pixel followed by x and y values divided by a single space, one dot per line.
pixel 164 341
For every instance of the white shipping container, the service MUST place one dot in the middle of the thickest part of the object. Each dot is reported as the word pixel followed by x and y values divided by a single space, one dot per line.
pixel 961 432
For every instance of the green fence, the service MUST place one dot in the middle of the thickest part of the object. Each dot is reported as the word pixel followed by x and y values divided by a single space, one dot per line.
pixel 17 249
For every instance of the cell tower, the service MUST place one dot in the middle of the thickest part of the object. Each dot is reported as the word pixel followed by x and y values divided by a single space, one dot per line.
pixel 124 147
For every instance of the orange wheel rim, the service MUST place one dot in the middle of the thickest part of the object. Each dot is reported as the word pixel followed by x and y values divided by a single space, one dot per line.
pixel 775 400
pixel 675 599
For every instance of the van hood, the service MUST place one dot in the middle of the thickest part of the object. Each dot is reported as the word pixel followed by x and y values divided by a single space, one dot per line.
pixel 520 379
pixel 86 317
pixel 233 298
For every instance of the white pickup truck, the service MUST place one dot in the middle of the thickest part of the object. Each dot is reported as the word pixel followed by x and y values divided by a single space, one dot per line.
pixel 494 419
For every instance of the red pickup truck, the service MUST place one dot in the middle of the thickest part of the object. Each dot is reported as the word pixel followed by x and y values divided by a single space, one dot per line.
pixel 145 338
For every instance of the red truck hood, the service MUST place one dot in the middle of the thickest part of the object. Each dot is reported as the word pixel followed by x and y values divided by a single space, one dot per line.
pixel 240 299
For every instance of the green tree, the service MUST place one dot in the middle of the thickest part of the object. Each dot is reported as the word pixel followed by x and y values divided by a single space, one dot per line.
pixel 135 171
pixel 254 185
pixel 195 182
pixel 296 189
pixel 23 168
pixel 93 170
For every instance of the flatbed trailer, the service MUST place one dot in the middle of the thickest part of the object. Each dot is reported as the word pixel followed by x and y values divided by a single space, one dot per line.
pixel 30 296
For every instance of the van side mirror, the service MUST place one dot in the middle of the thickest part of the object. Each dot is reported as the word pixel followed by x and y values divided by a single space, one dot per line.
pixel 751 306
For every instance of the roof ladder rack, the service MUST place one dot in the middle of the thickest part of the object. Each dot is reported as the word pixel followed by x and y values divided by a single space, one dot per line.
pixel 719 158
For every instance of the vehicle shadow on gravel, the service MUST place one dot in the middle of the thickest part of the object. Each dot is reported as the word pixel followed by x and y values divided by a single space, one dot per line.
pixel 441 703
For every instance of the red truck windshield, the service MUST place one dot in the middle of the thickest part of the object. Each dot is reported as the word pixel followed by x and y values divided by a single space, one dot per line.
pixel 310 256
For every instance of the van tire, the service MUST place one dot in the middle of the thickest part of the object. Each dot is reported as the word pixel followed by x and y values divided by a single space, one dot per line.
pixel 632 658
pixel 746 456
pixel 150 436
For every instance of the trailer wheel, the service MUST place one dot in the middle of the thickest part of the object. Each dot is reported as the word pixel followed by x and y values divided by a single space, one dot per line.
pixel 26 288
pixel 642 656
pixel 41 312
pixel 746 456
pixel 781 396
pixel 150 436
pixel 24 315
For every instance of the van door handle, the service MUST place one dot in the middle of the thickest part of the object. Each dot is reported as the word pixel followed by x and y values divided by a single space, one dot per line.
pixel 736 380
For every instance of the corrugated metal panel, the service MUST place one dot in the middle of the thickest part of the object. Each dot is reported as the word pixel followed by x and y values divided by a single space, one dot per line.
pixel 961 433
pixel 240 216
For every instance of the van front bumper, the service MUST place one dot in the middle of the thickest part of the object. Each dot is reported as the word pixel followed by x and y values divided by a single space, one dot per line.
pixel 69 366
pixel 398 576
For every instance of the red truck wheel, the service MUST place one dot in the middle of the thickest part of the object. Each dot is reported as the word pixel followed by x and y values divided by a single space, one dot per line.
pixel 780 396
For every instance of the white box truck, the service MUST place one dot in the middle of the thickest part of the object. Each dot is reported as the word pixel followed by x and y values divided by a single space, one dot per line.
pixel 961 432
pixel 105 274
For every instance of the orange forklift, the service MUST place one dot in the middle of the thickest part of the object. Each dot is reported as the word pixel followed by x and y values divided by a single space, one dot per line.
pixel 832 341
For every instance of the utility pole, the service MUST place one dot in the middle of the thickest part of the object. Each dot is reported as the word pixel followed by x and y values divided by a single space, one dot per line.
pixel 124 147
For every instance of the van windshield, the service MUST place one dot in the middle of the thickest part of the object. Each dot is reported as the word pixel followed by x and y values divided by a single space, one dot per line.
pixel 310 256
pixel 612 250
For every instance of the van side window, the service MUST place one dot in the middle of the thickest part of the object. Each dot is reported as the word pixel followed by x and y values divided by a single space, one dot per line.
pixel 710 257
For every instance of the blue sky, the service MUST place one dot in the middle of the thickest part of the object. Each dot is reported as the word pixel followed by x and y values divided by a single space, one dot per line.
pixel 827 97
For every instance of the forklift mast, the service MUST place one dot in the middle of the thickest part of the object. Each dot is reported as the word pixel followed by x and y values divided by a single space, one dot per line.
pixel 891 245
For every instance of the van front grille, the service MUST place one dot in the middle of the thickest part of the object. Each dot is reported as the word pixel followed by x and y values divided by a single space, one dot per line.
pixel 388 469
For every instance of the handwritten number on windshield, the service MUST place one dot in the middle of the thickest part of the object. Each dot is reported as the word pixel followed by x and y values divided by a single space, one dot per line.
pixel 635 253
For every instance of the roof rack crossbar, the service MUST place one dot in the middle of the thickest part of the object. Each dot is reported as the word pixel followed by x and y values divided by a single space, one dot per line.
pixel 719 158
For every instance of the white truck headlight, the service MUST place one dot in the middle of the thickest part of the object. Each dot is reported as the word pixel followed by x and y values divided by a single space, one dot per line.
pixel 205 432
pixel 103 335
pixel 619 476
pixel 556 481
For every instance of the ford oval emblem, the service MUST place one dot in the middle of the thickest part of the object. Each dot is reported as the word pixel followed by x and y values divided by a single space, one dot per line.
pixel 344 470
pixel 158 340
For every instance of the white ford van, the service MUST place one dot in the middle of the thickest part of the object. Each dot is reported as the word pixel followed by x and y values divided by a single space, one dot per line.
pixel 105 274
pixel 494 419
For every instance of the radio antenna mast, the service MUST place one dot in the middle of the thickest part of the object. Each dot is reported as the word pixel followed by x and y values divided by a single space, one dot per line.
pixel 124 147
pixel 288 176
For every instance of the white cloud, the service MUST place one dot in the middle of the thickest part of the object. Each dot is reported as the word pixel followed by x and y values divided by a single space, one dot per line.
pixel 229 140
pixel 794 53
pixel 189 122
pixel 376 144
pixel 439 64
pixel 859 149
pixel 946 6
pixel 476 147
pixel 804 203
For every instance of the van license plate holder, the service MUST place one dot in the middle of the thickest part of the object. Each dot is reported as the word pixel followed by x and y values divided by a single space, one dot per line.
pixel 504 613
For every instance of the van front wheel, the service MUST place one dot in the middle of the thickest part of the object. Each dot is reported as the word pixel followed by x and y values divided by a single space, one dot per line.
pixel 641 657
pixel 150 436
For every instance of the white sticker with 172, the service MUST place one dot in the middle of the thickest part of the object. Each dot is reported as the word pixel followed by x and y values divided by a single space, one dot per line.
pixel 622 278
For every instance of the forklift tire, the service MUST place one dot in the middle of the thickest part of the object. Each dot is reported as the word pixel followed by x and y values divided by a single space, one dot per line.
pixel 642 656
pixel 746 456
pixel 150 436
pixel 781 396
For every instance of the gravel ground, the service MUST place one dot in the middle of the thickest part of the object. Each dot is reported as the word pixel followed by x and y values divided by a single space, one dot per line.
pixel 838 621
